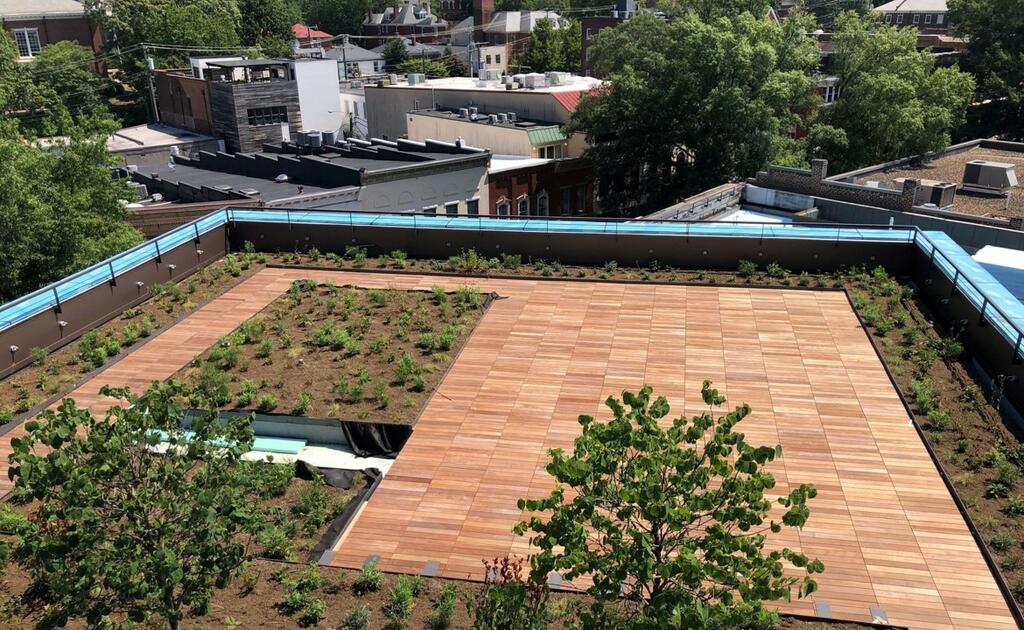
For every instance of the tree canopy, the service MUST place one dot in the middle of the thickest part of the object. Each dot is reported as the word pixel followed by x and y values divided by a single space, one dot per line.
pixel 668 518
pixel 995 53
pixel 893 102
pixel 429 67
pixel 691 104
pixel 120 527
pixel 337 16
pixel 553 46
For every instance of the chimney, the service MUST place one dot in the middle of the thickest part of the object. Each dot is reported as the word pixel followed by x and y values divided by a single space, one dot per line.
pixel 483 11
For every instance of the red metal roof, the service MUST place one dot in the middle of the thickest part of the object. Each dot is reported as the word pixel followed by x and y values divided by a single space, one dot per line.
pixel 301 32
pixel 569 100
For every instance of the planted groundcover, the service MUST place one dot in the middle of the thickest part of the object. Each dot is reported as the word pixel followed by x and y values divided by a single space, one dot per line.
pixel 54 372
pixel 326 351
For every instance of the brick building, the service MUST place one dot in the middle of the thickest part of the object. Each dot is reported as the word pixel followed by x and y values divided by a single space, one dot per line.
pixel 927 16
pixel 410 19
pixel 36 23
pixel 525 187
pixel 183 99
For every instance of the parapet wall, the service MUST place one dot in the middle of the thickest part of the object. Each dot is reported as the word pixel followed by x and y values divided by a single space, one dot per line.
pixel 814 182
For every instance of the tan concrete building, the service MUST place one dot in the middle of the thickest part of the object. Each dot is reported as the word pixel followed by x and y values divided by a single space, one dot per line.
pixel 502 134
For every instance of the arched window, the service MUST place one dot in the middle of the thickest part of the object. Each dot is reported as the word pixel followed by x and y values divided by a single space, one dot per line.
pixel 523 206
pixel 542 203
pixel 503 207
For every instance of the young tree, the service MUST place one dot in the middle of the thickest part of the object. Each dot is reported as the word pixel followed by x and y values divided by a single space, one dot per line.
pixel 668 519
pixel 123 528
pixel 546 50
pixel 454 66
pixel 995 53
pixel 267 24
pixel 690 105
pixel 893 101
pixel 395 52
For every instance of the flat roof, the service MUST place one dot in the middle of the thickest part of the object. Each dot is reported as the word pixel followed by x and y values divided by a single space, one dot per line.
pixel 152 135
pixel 949 167
pixel 575 83
pixel 246 63
pixel 195 176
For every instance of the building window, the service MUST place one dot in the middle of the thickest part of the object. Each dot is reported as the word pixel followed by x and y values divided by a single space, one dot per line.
pixel 523 206
pixel 588 34
pixel 899 19
pixel 940 18
pixel 497 58
pixel 451 208
pixel 928 19
pixel 581 199
pixel 27 40
pixel 267 116
pixel 542 203
pixel 488 62
pixel 917 19
pixel 503 207
pixel 888 18
pixel 473 207
pixel 429 209
pixel 566 206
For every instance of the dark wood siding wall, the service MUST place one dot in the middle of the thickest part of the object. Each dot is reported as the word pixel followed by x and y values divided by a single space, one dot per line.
pixel 230 104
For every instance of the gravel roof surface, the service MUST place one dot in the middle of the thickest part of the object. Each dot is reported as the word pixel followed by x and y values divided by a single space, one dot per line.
pixel 950 168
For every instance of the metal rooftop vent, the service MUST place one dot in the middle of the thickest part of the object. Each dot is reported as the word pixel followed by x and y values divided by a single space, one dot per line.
pixel 280 179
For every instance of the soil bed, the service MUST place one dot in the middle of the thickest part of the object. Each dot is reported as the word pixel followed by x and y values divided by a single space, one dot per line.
pixel 56 372
pixel 340 352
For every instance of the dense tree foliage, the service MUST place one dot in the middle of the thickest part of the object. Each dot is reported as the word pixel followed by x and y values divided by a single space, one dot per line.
pixel 64 68
pixel 995 53
pixel 395 52
pixel 268 25
pixel 692 104
pixel 553 46
pixel 121 528
pixel 893 102
pixel 669 519
pixel 337 16
pixel 60 210
pixel 423 65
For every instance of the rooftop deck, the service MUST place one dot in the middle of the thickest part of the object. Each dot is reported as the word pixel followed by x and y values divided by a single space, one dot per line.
pixel 884 524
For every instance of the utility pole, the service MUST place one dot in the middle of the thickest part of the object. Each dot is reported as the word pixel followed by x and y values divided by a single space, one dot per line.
pixel 344 54
pixel 149 80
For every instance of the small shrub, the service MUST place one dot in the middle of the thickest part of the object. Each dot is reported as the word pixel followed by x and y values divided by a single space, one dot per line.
pixel 871 313
pixel 939 420
pixel 443 614
pixel 398 608
pixel 1015 506
pixel 746 268
pixel 276 544
pixel 303 404
pixel 268 403
pixel 511 261
pixel 399 258
pixel 900 318
pixel 253 330
pixel 804 279
pixel 405 369
pixel 357 618
pixel 775 270
pixel 247 394
pixel 264 349
pixel 294 600
pixel 997 490
pixel 313 502
pixel 249 581
pixel 39 355
pixel 369 580
pixel 1001 541
pixel 925 395
pixel 310 579
pixel 1007 473
pixel 380 394
pixel 314 612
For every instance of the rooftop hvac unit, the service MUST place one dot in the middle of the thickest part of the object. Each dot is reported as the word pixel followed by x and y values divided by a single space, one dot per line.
pixel 473 111
pixel 330 137
pixel 355 84
pixel 463 112
pixel 393 79
pixel 415 78
pixel 518 78
pixel 873 183
pixel 511 116
pixel 223 187
pixel 314 139
pixel 250 192
pixel 302 138
pixel 929 191
pixel 503 117
pixel 493 118
pixel 989 178
pixel 534 80
pixel 514 85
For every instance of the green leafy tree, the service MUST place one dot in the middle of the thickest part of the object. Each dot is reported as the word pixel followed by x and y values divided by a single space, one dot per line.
pixel 664 128
pixel 710 10
pixel 668 518
pixel 894 102
pixel 455 66
pixel 336 16
pixel 120 528
pixel 25 106
pixel 63 68
pixel 395 53
pixel 429 67
pixel 546 50
pixel 995 54
pixel 267 24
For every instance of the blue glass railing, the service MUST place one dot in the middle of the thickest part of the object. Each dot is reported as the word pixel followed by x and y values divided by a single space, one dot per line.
pixel 50 296
pixel 993 301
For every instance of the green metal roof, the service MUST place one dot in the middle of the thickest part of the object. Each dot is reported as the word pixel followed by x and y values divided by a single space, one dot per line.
pixel 545 135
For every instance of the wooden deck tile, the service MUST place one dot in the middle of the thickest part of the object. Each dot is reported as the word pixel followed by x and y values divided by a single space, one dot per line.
pixel 883 523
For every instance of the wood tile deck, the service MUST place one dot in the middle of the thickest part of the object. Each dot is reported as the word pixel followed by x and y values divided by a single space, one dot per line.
pixel 883 523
